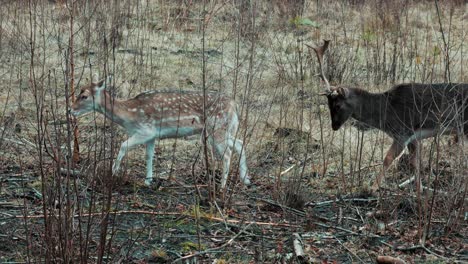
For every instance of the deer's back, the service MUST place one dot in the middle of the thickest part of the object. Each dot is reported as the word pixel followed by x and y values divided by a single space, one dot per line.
pixel 410 107
pixel 183 109
pixel 186 101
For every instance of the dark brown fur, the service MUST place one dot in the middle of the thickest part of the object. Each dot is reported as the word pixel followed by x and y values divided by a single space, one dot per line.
pixel 407 113
pixel 405 108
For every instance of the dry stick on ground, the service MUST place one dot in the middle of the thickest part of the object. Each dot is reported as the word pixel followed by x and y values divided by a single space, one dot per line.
pixel 298 246
pixel 413 248
pixel 232 221
pixel 328 226
pixel 340 216
pixel 221 214
pixel 71 172
pixel 410 180
pixel 287 170
pixel 342 200
pixel 23 142
pixel 215 248
pixel 346 230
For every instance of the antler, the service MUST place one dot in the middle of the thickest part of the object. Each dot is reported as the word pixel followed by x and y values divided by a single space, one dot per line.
pixel 319 51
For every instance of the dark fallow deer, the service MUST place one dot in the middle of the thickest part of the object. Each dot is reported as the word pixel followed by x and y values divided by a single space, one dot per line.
pixel 407 113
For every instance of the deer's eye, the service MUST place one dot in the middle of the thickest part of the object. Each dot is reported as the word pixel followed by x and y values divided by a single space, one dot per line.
pixel 83 97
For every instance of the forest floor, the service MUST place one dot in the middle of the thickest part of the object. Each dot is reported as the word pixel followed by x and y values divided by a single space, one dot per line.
pixel 176 221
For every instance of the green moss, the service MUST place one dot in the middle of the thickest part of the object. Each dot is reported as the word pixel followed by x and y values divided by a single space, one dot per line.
pixel 190 246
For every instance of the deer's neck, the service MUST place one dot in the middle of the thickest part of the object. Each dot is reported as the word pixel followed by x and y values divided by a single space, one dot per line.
pixel 112 109
pixel 370 109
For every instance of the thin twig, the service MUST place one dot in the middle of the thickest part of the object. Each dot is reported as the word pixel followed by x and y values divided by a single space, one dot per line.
pixel 342 200
pixel 114 213
pixel 413 248
pixel 221 214
pixel 24 142
pixel 346 230
pixel 349 250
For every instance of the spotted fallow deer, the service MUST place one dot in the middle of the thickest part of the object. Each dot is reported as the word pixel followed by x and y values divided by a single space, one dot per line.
pixel 155 115
pixel 407 113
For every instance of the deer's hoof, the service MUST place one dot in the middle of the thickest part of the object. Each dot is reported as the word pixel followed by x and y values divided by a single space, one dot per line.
pixel 247 181
pixel 114 169
pixel 148 182
pixel 375 189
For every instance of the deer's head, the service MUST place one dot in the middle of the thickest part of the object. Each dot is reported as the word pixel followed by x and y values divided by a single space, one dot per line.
pixel 340 99
pixel 89 98
pixel 341 105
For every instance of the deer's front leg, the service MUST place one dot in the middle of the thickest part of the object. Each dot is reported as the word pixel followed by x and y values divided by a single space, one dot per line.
pixel 149 162
pixel 130 143
pixel 394 151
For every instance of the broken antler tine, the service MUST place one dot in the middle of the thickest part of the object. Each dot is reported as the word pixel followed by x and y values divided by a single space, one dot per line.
pixel 324 47
pixel 320 50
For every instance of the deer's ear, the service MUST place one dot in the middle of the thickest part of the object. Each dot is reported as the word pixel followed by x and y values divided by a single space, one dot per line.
pixel 100 85
pixel 104 83
pixel 343 92
pixel 95 78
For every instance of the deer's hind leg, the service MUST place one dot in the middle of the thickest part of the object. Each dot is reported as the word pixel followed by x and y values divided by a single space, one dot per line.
pixel 410 162
pixel 224 145
pixel 414 150
pixel 238 145
pixel 149 161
